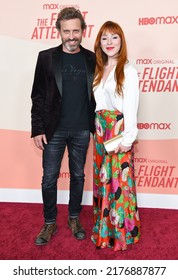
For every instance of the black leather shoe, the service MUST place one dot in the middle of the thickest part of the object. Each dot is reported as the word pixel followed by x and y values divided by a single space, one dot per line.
pixel 77 229
pixel 45 234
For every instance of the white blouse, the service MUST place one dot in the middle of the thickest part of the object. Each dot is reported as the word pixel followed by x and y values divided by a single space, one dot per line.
pixel 107 99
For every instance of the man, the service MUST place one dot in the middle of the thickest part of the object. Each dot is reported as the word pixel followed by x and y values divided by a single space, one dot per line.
pixel 63 115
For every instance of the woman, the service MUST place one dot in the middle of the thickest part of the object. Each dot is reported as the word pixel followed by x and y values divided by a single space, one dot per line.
pixel 116 91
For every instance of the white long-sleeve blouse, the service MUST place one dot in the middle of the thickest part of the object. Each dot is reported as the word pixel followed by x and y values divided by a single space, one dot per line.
pixel 107 99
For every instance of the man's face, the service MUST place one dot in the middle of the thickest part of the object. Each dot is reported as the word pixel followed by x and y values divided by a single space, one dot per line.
pixel 71 35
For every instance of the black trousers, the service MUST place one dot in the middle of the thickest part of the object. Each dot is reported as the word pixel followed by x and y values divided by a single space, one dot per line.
pixel 77 144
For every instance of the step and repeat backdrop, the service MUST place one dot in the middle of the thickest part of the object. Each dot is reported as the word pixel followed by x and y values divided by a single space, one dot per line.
pixel 150 27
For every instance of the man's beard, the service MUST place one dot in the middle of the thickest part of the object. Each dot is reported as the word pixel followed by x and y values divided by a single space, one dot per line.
pixel 73 47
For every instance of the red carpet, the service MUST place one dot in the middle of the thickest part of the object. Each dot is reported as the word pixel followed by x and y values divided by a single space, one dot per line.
pixel 21 222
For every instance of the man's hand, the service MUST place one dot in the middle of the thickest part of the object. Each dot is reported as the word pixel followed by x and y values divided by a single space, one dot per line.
pixel 39 140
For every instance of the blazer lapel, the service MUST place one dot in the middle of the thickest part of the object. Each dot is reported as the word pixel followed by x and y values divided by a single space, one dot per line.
pixel 89 70
pixel 57 67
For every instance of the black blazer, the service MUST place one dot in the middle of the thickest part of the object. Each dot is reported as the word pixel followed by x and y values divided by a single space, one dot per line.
pixel 47 90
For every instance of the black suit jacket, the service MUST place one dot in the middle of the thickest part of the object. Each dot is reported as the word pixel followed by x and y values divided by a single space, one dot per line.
pixel 47 90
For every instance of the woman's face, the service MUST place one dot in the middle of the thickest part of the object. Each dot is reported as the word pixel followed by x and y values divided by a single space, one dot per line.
pixel 110 44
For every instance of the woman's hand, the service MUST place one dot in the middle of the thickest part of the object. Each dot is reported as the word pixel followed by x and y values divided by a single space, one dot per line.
pixel 122 149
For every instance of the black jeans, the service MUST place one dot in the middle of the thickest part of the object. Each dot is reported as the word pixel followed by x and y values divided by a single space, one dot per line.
pixel 77 144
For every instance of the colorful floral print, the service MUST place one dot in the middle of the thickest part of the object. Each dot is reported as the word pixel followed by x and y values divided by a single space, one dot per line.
pixel 116 218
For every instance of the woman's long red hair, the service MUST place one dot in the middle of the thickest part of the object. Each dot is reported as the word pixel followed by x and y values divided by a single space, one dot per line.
pixel 101 57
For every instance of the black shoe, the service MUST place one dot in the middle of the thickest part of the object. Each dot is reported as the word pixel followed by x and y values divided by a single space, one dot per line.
pixel 45 234
pixel 77 229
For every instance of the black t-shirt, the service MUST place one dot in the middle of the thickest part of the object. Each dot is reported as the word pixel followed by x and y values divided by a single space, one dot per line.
pixel 75 102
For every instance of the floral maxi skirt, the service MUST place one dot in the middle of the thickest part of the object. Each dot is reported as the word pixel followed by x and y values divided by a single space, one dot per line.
pixel 116 218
